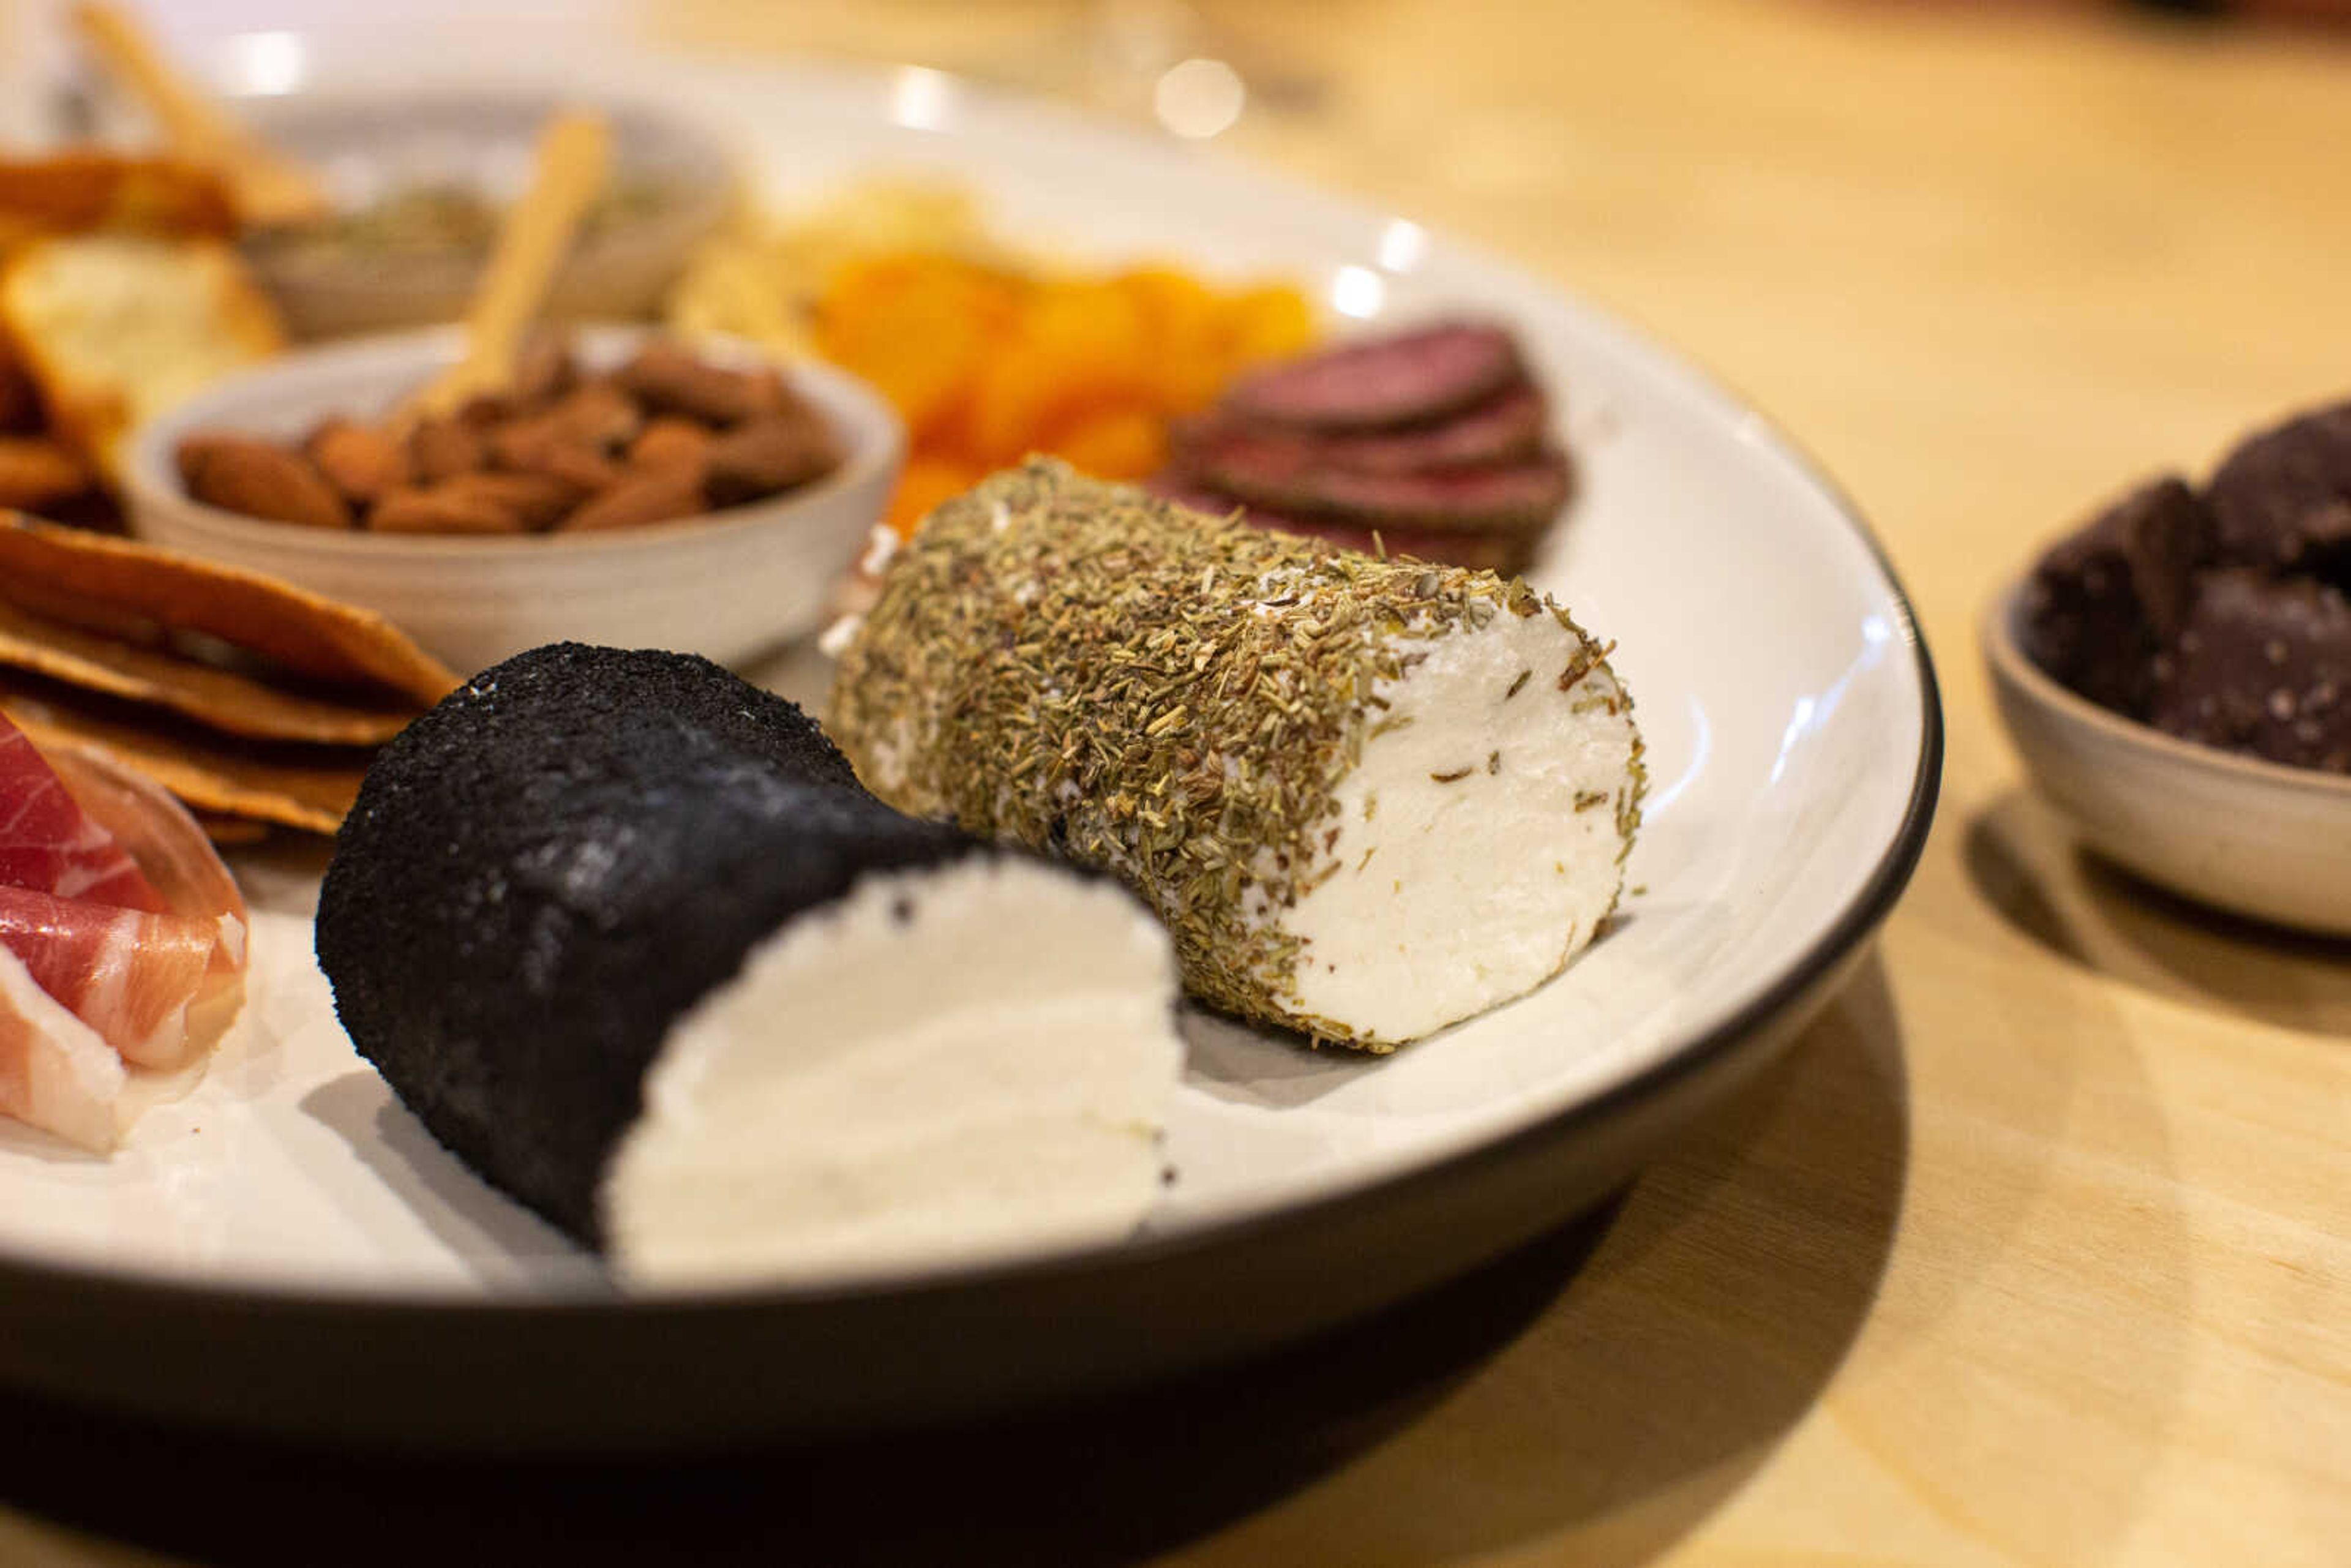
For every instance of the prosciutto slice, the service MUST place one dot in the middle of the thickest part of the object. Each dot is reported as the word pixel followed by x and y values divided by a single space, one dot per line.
pixel 47 841
pixel 54 1070
pixel 129 974
pixel 123 938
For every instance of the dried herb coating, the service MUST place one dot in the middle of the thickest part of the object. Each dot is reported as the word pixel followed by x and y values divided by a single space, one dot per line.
pixel 545 870
pixel 1173 697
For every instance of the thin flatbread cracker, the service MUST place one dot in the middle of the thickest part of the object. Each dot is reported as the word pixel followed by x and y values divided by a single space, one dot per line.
pixel 300 787
pixel 313 636
pixel 35 471
pixel 231 833
pixel 235 704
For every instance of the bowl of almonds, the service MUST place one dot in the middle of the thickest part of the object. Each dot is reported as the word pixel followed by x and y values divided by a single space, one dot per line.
pixel 627 488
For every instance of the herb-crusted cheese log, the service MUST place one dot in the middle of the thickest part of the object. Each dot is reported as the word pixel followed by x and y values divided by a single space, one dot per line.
pixel 628 937
pixel 1369 797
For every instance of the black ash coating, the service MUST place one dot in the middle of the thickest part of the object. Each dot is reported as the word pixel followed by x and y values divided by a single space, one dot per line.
pixel 2218 616
pixel 544 871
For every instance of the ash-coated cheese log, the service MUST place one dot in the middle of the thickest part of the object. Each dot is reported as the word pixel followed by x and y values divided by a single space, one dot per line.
pixel 1369 797
pixel 626 935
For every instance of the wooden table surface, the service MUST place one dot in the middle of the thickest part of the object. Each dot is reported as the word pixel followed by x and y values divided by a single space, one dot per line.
pixel 2038 1249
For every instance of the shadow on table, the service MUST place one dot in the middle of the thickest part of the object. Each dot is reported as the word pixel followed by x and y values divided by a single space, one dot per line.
pixel 2028 864
pixel 1610 1384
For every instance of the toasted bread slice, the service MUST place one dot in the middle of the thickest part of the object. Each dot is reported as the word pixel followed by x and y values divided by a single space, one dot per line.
pixel 115 328
pixel 86 190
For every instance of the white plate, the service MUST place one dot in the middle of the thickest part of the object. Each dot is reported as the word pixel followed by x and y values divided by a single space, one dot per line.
pixel 1794 745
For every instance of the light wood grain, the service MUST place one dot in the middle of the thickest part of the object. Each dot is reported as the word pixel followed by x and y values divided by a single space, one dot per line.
pixel 2039 1250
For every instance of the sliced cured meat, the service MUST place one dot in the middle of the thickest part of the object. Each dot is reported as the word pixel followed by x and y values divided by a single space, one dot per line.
pixel 56 1073
pixel 1506 428
pixel 1286 476
pixel 180 865
pixel 123 938
pixel 1174 486
pixel 1412 378
pixel 47 841
pixel 158 833
pixel 127 975
pixel 1508 552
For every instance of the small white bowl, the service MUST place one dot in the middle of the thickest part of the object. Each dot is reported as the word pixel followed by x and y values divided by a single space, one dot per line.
pixel 727 585
pixel 2254 838
pixel 371 145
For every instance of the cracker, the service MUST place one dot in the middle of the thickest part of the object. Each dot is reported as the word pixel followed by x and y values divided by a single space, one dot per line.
pixel 298 787
pixel 231 833
pixel 222 699
pixel 61 569
pixel 35 471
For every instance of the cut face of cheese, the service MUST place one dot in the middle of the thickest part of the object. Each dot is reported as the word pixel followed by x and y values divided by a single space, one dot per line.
pixel 950 1064
pixel 1476 846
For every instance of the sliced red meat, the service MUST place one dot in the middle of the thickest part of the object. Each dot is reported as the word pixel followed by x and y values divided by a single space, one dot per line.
pixel 1172 486
pixel 122 938
pixel 56 1073
pixel 1410 377
pixel 129 974
pixel 186 872
pixel 1508 552
pixel 47 843
pixel 1506 428
pixel 167 844
pixel 1286 477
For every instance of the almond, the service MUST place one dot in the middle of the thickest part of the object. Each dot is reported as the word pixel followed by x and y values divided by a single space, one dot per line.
pixel 543 446
pixel 194 451
pixel 442 448
pixel 361 462
pixel 644 496
pixel 259 479
pixel 670 441
pixel 537 501
pixel 667 378
pixel 599 413
pixel 444 508
pixel 776 453
pixel 544 368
